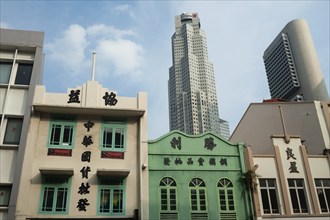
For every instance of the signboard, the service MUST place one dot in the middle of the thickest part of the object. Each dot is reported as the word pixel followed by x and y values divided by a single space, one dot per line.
pixel 112 155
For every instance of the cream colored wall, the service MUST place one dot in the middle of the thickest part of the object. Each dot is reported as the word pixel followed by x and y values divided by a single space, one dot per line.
pixel 36 156
pixel 319 162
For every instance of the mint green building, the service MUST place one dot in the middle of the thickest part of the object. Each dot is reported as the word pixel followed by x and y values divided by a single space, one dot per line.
pixel 197 177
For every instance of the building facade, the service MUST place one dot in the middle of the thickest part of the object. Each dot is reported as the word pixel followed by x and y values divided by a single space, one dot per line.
pixel 85 156
pixel 21 55
pixel 289 152
pixel 197 177
pixel 193 104
pixel 292 66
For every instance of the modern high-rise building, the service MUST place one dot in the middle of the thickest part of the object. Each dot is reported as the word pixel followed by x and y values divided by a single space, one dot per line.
pixel 193 104
pixel 292 65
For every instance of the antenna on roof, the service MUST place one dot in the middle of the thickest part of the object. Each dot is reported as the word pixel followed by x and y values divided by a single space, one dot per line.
pixel 93 66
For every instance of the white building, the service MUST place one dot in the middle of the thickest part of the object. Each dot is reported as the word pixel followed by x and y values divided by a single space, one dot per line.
pixel 21 69
pixel 86 156
pixel 292 66
pixel 193 104
pixel 288 157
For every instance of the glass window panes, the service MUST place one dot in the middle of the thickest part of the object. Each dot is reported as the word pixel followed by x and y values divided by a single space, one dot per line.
pixel 13 131
pixel 226 195
pixel 323 194
pixel 5 195
pixel 298 196
pixel 5 70
pixel 168 199
pixel 269 196
pixel 198 200
pixel 111 196
pixel 55 194
pixel 61 134
pixel 23 74
pixel 113 136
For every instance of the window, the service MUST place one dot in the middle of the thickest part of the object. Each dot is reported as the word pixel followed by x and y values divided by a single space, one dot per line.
pixel 5 70
pixel 55 194
pixel 13 131
pixel 298 196
pixel 323 193
pixel 111 196
pixel 269 196
pixel 113 136
pixel 23 75
pixel 167 187
pixel 4 195
pixel 226 195
pixel 198 195
pixel 62 133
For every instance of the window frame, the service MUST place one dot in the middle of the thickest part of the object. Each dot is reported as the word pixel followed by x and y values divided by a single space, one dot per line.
pixel 10 71
pixel 113 125
pixel 56 186
pixel 168 187
pixel 111 188
pixel 5 199
pixel 198 195
pixel 268 189
pixel 228 187
pixel 62 123
pixel 323 187
pixel 7 119
pixel 18 75
pixel 296 189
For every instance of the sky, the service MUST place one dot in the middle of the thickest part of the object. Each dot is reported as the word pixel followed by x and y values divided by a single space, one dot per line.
pixel 132 41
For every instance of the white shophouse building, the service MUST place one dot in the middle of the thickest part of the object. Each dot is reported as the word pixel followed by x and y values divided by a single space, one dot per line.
pixel 288 156
pixel 86 156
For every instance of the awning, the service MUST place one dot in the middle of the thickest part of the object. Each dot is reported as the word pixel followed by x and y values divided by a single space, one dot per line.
pixel 112 173
pixel 56 171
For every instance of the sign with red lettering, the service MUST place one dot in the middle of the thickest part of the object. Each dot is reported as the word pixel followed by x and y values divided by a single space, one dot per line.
pixel 59 152
pixel 112 155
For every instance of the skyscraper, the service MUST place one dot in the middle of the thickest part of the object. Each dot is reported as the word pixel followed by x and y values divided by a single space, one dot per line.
pixel 292 66
pixel 193 102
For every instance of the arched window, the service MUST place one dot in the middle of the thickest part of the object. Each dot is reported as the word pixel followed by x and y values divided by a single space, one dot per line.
pixel 226 195
pixel 167 188
pixel 197 195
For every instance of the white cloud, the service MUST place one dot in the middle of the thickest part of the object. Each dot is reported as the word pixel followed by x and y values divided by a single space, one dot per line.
pixel 125 8
pixel 121 56
pixel 69 49
pixel 125 55
pixel 4 25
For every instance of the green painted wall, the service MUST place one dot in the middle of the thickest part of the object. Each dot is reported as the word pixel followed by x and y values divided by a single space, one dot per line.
pixel 193 148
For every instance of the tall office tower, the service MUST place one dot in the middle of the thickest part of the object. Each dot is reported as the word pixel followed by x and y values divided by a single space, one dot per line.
pixel 292 66
pixel 20 70
pixel 193 102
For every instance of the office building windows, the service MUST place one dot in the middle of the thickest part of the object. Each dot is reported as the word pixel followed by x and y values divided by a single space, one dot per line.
pixel 113 136
pixel 298 195
pixel 111 196
pixel 23 74
pixel 323 193
pixel 4 195
pixel 13 131
pixel 269 196
pixel 5 70
pixel 55 194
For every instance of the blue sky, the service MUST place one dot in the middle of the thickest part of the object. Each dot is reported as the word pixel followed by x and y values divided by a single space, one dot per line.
pixel 132 40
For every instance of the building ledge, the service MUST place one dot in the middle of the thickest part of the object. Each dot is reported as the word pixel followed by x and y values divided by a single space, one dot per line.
pixel 112 173
pixel 56 171
pixel 117 112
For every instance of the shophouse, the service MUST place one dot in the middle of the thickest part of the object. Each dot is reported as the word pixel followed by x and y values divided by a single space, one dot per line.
pixel 288 152
pixel 86 156
pixel 197 177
